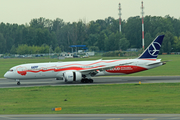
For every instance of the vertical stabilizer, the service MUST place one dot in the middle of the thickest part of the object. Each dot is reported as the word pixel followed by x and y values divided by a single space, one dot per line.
pixel 153 49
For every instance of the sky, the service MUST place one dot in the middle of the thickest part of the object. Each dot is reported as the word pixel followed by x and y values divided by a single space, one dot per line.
pixel 23 11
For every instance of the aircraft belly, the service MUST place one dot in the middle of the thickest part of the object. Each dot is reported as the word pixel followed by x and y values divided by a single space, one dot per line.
pixel 108 73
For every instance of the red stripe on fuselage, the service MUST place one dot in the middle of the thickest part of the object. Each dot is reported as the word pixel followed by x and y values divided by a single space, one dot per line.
pixel 24 72
pixel 126 69
pixel 61 68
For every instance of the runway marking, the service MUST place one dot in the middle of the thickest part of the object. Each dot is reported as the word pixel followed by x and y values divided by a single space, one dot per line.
pixel 149 118
pixel 115 119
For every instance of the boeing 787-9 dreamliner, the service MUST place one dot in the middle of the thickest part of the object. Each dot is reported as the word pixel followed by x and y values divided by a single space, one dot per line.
pixel 83 71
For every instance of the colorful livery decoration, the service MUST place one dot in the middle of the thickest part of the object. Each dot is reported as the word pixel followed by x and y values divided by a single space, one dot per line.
pixel 83 71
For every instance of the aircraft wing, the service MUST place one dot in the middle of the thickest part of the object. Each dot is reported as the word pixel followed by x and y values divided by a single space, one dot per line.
pixel 94 70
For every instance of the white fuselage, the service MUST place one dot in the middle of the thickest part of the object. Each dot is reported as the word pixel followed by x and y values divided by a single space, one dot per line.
pixel 56 69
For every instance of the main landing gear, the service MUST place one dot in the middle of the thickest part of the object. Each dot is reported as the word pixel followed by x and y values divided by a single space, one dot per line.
pixel 18 81
pixel 86 80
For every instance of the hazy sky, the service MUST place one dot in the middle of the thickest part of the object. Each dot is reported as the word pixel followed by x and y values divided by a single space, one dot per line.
pixel 22 11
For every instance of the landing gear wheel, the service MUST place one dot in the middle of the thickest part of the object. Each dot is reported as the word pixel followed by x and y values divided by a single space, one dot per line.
pixel 83 81
pixel 87 80
pixel 91 80
pixel 18 83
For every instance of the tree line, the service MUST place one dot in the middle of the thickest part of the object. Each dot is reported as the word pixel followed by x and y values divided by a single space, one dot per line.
pixel 41 34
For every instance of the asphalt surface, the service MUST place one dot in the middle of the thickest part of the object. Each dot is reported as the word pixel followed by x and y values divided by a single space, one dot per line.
pixel 7 83
pixel 93 117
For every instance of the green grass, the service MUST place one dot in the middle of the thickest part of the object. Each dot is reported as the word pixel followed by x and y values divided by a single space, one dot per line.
pixel 170 69
pixel 120 98
pixel 114 98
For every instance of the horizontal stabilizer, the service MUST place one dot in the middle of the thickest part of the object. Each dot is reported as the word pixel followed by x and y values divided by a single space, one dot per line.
pixel 163 63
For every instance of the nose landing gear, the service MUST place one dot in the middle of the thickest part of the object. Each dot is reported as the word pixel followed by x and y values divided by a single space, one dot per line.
pixel 18 81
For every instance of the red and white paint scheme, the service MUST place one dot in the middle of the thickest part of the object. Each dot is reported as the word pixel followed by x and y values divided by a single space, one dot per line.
pixel 120 17
pixel 142 25
pixel 84 70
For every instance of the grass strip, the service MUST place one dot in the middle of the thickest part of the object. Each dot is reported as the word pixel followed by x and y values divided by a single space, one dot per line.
pixel 112 98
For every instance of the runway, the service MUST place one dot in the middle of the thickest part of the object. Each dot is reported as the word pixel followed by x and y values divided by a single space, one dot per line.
pixel 93 117
pixel 7 83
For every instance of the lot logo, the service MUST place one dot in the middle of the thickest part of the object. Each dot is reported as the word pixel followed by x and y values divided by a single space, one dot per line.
pixel 34 67
pixel 154 49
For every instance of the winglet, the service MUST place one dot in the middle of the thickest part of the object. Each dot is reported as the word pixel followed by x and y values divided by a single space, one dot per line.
pixel 153 49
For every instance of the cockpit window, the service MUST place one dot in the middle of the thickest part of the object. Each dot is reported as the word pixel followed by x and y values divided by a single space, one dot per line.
pixel 11 70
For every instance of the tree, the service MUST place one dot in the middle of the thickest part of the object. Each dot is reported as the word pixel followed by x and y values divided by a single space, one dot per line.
pixel 133 30
pixel 103 34
pixel 147 39
pixel 93 28
pixel 22 49
pixel 93 39
pixel 93 48
pixel 38 23
pixel 57 49
pixel 2 43
pixel 123 44
pixel 176 45
pixel 44 48
pixel 167 42
pixel 13 50
pixel 101 41
pixel 110 42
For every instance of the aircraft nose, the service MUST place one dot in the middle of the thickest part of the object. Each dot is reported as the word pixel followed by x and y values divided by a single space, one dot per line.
pixel 6 75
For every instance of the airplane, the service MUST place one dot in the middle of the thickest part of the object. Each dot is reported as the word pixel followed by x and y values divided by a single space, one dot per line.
pixel 83 71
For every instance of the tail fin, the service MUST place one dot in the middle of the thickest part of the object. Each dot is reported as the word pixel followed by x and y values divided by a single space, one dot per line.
pixel 152 50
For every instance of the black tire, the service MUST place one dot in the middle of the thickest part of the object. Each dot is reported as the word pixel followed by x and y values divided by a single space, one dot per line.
pixel 87 81
pixel 91 80
pixel 82 81
pixel 18 83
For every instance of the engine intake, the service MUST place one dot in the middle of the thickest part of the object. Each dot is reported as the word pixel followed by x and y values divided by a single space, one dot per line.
pixel 71 76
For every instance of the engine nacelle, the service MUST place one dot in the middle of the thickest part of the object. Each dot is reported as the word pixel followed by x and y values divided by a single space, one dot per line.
pixel 71 76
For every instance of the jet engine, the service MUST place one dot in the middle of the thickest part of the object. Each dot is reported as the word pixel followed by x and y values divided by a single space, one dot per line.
pixel 71 76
